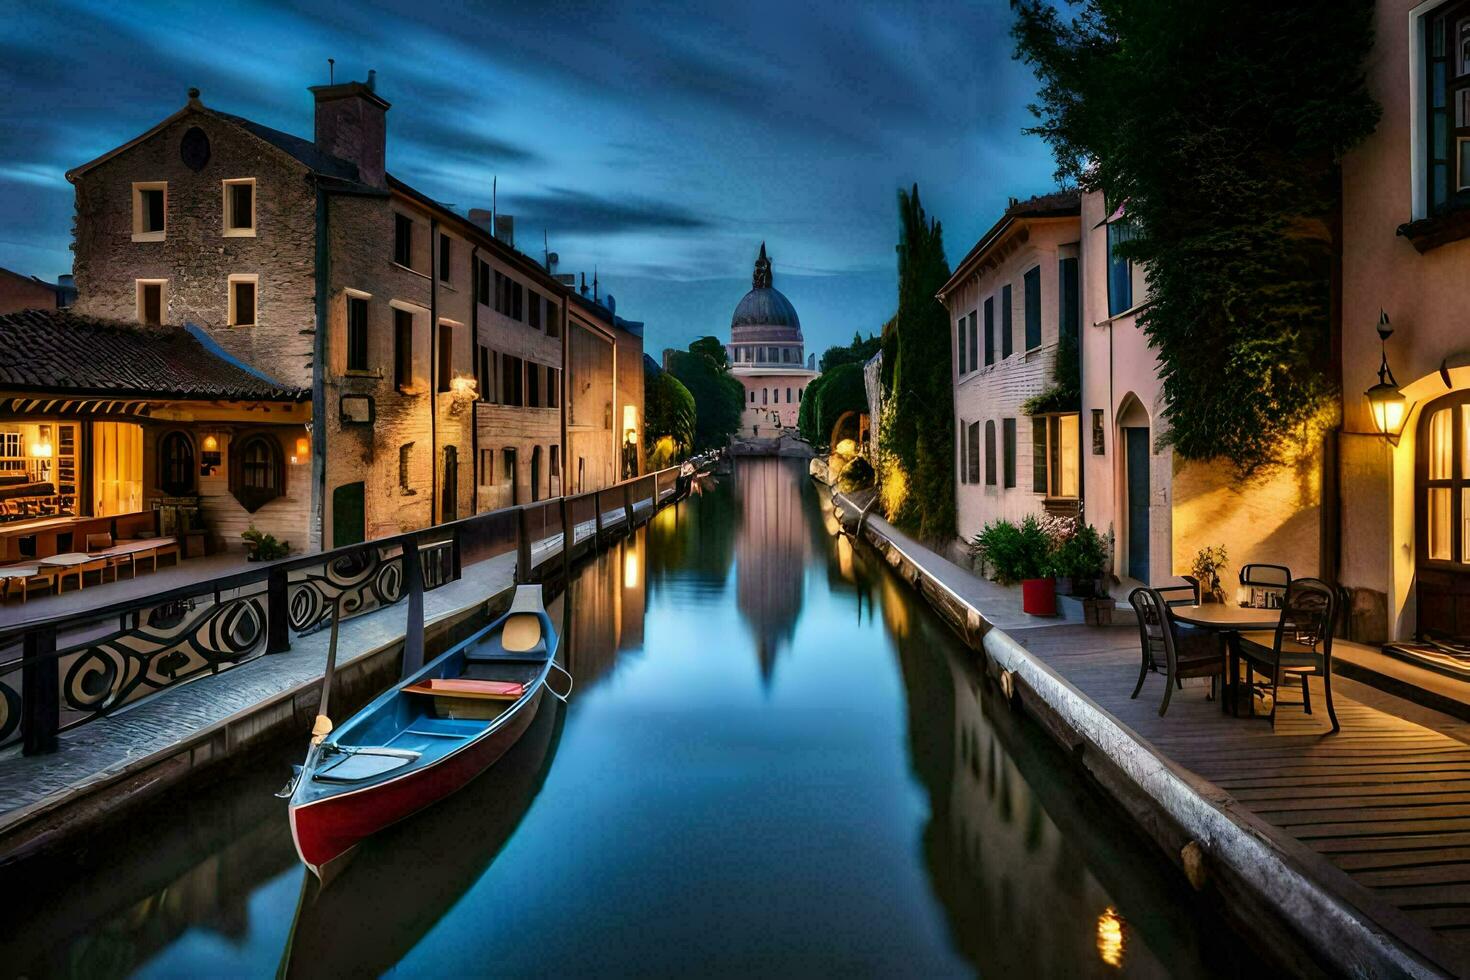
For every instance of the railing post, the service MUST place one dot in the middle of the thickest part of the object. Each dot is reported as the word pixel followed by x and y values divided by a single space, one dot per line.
pixel 456 556
pixel 277 615
pixel 568 536
pixel 627 507
pixel 523 546
pixel 597 505
pixel 40 692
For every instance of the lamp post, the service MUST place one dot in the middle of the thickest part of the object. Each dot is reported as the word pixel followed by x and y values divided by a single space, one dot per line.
pixel 1385 400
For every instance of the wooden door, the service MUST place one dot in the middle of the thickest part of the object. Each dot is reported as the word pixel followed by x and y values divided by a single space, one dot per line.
pixel 349 524
pixel 1441 506
pixel 1136 461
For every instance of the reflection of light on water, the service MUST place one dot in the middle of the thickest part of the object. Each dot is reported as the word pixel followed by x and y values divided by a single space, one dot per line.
pixel 895 608
pixel 1110 938
pixel 844 559
pixel 630 569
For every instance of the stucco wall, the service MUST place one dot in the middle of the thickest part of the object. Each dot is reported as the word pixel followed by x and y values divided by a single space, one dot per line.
pixel 767 388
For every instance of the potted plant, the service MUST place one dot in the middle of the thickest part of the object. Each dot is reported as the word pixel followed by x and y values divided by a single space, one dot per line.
pixel 1208 564
pixel 1081 560
pixel 1020 553
pixel 260 546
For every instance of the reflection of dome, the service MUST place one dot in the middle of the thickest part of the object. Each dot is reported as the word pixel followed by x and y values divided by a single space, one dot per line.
pixel 766 309
pixel 770 554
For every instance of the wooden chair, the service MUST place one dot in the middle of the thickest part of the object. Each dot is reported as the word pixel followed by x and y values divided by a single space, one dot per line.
pixel 1301 644
pixel 1194 655
pixel 1259 575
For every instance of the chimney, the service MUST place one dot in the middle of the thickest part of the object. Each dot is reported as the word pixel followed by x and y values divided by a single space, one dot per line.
pixel 505 228
pixel 352 125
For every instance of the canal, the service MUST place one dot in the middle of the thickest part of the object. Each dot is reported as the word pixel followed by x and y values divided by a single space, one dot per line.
pixel 776 761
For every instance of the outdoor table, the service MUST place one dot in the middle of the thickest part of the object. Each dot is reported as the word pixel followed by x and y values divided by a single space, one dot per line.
pixel 1226 621
pixel 71 561
pixel 131 550
pixel 11 573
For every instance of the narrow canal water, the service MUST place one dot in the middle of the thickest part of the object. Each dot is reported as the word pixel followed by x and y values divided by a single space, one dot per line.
pixel 776 761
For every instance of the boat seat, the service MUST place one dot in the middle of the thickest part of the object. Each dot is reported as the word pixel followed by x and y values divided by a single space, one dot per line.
pixel 465 687
pixel 492 647
pixel 362 765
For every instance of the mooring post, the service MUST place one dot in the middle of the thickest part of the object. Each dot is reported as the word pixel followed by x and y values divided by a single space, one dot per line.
pixel 523 546
pixel 40 692
pixel 277 615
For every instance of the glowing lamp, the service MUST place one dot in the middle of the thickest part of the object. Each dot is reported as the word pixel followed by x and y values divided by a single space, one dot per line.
pixel 1386 402
pixel 211 444
pixel 303 448
pixel 42 449
pixel 630 424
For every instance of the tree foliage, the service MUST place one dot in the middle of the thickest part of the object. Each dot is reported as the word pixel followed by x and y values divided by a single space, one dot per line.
pixel 832 393
pixel 668 410
pixel 856 352
pixel 919 428
pixel 1218 127
pixel 719 397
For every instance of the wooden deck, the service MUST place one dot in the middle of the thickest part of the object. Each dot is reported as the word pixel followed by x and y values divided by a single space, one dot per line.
pixel 1385 800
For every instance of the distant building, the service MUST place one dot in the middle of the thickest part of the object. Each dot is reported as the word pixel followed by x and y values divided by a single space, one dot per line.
pixel 767 354
pixel 19 292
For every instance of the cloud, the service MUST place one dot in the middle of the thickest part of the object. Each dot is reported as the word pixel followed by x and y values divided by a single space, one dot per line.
pixel 568 210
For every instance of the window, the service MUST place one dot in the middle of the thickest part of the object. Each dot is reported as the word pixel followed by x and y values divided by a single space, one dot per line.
pixel 774 357
pixel 555 469
pixel 150 211
pixel 508 470
pixel 403 239
pixel 257 470
pixel 788 396
pixel 1032 300
pixel 990 454
pixel 405 467
pixel 517 295
pixel 482 282
pixel 1054 460
pixel 533 384
pixel 765 392
pixel 243 300
pixel 1008 444
pixel 239 208
pixel 962 359
pixel 990 330
pixel 752 396
pixel 487 468
pixel 357 333
pixel 176 470
pixel 974 336
pixel 1120 269
pixel 512 381
pixel 963 437
pixel 152 300
pixel 973 456
pixel 553 387
pixel 1069 309
pixel 446 258
pixel 533 307
pixel 1443 478
pixel 402 349
pixel 446 356
pixel 553 320
pixel 760 355
pixel 1447 89
pixel 1006 344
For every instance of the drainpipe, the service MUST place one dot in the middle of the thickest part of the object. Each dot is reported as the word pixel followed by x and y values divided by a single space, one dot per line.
pixel 318 515
pixel 434 513
pixel 475 369
pixel 566 407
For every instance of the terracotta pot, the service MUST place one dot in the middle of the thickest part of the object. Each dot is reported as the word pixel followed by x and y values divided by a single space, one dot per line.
pixel 1039 596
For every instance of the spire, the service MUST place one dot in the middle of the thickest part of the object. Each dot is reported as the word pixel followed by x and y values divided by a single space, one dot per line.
pixel 762 277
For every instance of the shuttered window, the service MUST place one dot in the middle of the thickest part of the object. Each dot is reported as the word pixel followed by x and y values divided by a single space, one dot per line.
pixel 1070 316
pixel 1006 344
pixel 1033 308
pixel 990 330
pixel 357 333
pixel 964 437
pixel 1008 444
pixel 1038 454
pixel 974 454
pixel 990 454
pixel 960 359
pixel 974 346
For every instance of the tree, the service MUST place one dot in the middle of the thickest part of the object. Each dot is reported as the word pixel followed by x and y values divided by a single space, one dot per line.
pixel 669 415
pixel 919 426
pixel 1218 127
pixel 859 351
pixel 719 397
pixel 834 392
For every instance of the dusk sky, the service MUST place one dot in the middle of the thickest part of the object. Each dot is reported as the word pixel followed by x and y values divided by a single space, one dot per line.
pixel 658 142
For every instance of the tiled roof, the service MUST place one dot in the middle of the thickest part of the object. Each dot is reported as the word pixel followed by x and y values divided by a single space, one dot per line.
pixel 303 150
pixel 59 351
pixel 1055 204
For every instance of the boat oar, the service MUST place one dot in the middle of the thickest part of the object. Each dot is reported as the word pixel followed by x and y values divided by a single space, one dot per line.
pixel 322 726
pixel 413 584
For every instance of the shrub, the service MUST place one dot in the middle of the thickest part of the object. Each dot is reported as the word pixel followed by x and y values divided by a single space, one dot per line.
pixel 264 547
pixel 856 475
pixel 1014 552
pixel 1083 556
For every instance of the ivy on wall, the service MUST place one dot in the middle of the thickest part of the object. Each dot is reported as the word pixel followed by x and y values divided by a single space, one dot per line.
pixel 1218 126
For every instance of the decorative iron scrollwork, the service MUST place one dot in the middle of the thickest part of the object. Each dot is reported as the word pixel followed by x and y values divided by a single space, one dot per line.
pixel 364 579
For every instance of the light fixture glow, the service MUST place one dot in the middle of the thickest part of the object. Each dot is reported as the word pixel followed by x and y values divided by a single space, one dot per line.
pixel 303 448
pixel 211 444
pixel 1386 402
pixel 1110 938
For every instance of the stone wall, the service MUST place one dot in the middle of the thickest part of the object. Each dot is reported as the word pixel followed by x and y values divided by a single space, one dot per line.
pixel 195 256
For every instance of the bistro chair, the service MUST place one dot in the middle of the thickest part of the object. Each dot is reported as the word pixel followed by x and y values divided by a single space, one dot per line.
pixel 1301 644
pixel 1195 654
pixel 1257 575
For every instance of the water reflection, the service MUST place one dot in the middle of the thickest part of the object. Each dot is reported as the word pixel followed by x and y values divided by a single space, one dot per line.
pixel 867 807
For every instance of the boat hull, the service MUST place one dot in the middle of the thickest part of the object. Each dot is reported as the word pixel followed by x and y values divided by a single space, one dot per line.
pixel 327 828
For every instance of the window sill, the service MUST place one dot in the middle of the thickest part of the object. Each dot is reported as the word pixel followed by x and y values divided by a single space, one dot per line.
pixel 361 373
pixel 239 233
pixel 405 268
pixel 1427 234
pixel 1133 310
pixel 250 323
pixel 149 236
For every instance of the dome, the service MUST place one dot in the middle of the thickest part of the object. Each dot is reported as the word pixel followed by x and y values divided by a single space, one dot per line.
pixel 765 306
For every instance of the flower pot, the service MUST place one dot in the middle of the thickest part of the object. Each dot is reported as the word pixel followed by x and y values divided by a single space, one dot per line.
pixel 1098 612
pixel 1064 585
pixel 1039 596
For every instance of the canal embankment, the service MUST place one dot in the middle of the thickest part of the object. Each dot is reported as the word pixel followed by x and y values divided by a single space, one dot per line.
pixel 1324 850
pixel 108 767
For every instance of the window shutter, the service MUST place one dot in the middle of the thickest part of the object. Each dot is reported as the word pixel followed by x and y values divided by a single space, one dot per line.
pixel 990 330
pixel 1071 307
pixel 990 453
pixel 1033 308
pixel 974 349
pixel 1006 346
pixel 964 437
pixel 1038 454
pixel 1008 440
pixel 974 452
pixel 960 343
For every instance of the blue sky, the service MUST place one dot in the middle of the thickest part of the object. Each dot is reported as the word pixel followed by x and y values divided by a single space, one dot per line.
pixel 659 142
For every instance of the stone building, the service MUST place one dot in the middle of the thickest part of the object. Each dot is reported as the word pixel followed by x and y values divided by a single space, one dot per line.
pixel 1014 301
pixel 767 354
pixel 605 394
pixel 435 352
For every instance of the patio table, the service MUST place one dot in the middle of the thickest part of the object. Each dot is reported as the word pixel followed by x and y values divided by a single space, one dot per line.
pixel 72 562
pixel 131 551
pixel 16 573
pixel 1227 621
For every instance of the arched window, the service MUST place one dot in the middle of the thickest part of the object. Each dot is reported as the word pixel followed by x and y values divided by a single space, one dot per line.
pixel 1442 505
pixel 176 470
pixel 257 470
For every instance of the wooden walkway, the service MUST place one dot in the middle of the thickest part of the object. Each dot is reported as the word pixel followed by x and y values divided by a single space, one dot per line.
pixel 1385 800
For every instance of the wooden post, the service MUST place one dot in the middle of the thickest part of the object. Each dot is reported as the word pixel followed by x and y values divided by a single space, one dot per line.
pixel 523 546
pixel 628 507
pixel 277 615
pixel 40 692
pixel 597 503
pixel 568 537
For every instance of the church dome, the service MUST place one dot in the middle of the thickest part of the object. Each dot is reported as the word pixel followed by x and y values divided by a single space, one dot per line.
pixel 765 307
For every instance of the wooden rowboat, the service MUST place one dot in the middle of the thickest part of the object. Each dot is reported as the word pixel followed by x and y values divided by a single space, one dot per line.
pixel 424 738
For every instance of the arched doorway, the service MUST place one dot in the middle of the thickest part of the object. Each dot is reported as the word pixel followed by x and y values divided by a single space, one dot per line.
pixel 1441 505
pixel 349 525
pixel 1134 485
pixel 847 426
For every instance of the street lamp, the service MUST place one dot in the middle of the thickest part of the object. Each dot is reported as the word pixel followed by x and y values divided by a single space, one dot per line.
pixel 1385 400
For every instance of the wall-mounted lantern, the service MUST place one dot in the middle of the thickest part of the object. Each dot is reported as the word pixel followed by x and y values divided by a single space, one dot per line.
pixel 303 451
pixel 1386 402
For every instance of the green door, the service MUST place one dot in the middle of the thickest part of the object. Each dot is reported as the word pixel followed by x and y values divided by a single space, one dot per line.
pixel 348 519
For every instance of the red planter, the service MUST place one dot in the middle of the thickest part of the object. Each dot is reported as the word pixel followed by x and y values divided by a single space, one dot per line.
pixel 1039 596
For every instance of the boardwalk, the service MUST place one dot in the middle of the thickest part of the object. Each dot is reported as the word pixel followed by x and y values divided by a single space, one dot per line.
pixel 1386 801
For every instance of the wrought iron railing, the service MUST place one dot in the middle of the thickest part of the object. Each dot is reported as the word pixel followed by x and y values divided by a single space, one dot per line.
pixel 63 671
